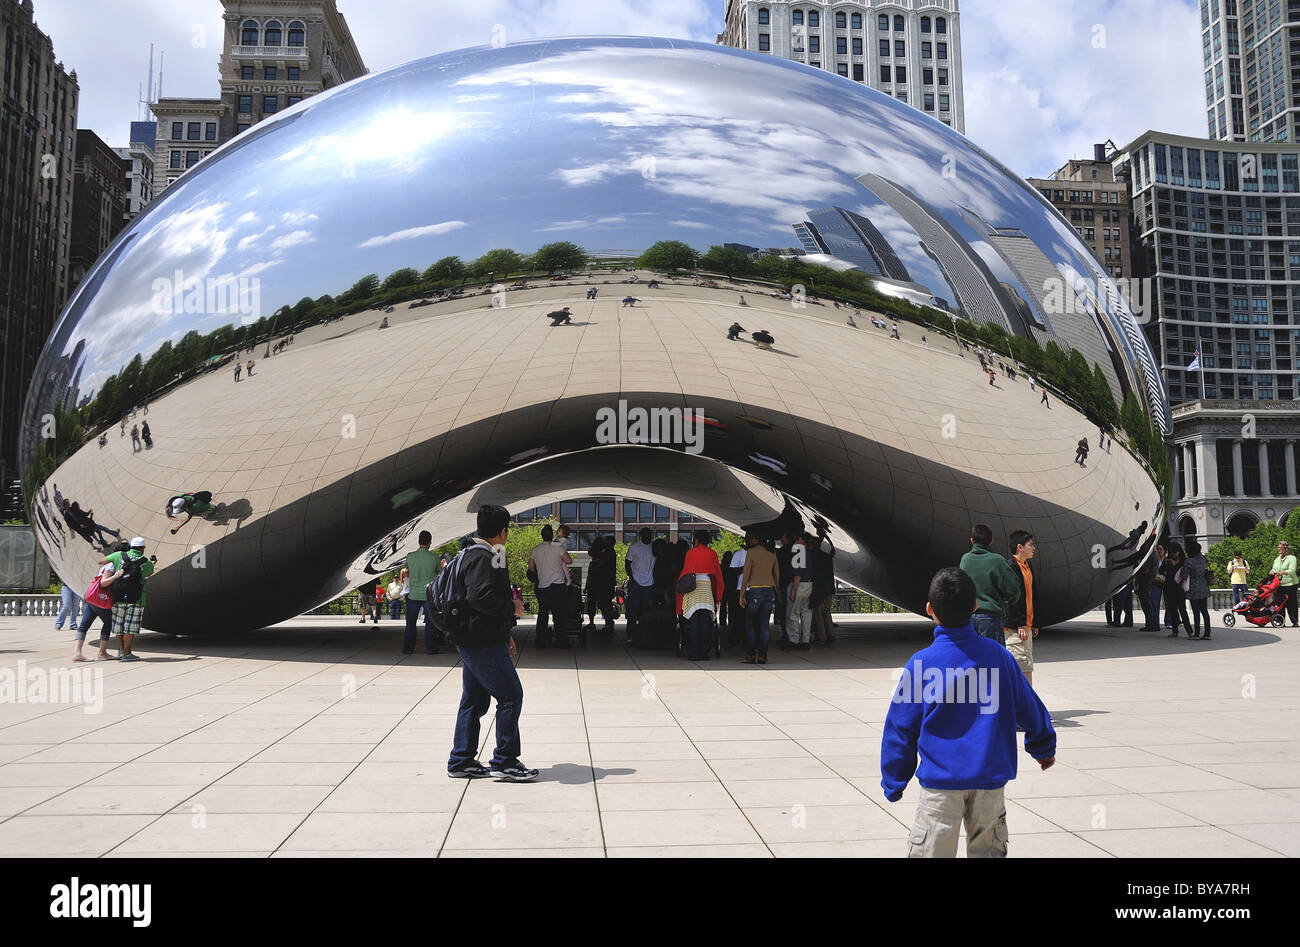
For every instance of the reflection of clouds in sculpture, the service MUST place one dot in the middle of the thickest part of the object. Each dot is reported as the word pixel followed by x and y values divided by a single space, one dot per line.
pixel 413 233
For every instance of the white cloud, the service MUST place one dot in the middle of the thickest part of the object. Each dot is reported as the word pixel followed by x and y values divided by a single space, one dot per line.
pixel 290 240
pixel 413 233
pixel 690 223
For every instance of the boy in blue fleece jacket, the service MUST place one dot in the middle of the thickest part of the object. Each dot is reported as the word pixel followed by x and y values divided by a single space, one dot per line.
pixel 960 702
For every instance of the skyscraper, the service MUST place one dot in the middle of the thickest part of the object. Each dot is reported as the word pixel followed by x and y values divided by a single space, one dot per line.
pixel 99 201
pixel 913 55
pixel 853 239
pixel 270 61
pixel 38 126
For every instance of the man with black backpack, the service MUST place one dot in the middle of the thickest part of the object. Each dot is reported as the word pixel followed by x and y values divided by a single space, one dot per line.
pixel 126 586
pixel 472 601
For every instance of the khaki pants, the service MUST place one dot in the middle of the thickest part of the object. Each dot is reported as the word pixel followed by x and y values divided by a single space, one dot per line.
pixel 1022 651
pixel 939 817
pixel 798 616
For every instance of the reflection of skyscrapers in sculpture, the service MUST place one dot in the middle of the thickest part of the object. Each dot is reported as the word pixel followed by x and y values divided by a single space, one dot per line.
pixel 1080 319
pixel 853 239
pixel 977 293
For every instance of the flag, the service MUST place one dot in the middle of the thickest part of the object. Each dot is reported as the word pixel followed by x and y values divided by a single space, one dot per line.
pixel 1196 361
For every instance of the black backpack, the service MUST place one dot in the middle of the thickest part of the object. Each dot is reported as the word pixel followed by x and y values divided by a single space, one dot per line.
pixel 448 610
pixel 128 587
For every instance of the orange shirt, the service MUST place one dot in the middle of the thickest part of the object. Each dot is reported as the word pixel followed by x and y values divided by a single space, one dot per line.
pixel 1029 592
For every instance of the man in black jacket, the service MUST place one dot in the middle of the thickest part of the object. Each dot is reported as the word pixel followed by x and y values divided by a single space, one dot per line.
pixel 486 647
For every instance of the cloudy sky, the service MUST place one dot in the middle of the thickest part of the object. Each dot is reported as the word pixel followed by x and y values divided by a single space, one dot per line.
pixel 1044 78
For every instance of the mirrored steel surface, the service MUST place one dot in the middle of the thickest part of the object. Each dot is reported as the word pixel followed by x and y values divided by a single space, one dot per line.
pixel 326 460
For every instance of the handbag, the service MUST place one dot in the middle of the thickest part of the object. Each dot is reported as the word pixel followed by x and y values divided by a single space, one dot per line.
pixel 686 584
pixel 97 596
pixel 1183 579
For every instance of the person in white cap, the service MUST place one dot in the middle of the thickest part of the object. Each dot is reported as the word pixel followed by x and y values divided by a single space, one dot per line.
pixel 126 584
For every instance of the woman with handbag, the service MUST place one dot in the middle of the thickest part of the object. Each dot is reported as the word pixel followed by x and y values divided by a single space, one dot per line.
pixel 699 593
pixel 97 603
pixel 1177 582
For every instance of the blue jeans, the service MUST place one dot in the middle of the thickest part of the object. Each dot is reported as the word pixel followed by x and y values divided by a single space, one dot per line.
pixel 67 607
pixel 395 608
pixel 758 615
pixel 699 635
pixel 988 626
pixel 413 609
pixel 1238 593
pixel 487 673
pixel 638 597
pixel 88 615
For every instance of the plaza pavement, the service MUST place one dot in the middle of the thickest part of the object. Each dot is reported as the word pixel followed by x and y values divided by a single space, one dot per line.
pixel 250 745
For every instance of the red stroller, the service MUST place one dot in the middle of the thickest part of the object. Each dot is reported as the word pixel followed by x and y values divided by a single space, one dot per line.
pixel 1261 607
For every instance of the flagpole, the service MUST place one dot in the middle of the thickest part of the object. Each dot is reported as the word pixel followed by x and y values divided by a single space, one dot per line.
pixel 1201 359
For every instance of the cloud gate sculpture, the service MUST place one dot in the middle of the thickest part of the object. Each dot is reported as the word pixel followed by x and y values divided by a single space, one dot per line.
pixel 391 391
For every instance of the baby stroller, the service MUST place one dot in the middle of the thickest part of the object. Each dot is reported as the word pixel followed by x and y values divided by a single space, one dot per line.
pixel 1261 607
pixel 715 638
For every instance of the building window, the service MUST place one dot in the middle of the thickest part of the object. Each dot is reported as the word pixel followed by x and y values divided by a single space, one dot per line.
pixel 857 46
pixel 192 158
pixel 246 73
pixel 855 21
pixel 814 19
pixel 764 43
pixel 245 103
pixel 929 101
pixel 762 16
pixel 273 35
pixel 943 77
pixel 857 72
pixel 270 103
pixel 294 73
pixel 210 131
pixel 176 159
pixel 926 51
pixel 925 24
pixel 943 50
pixel 900 73
pixel 841 20
pixel 943 103
pixel 902 95
pixel 270 74
pixel 899 25
pixel 842 45
pixel 193 131
pixel 297 34
pixel 900 48
pixel 797 18
pixel 178 131
pixel 242 127
pixel 941 25
pixel 884 49
pixel 884 23
pixel 292 100
pixel 927 76
pixel 885 75
pixel 814 44
pixel 842 69
pixel 249 37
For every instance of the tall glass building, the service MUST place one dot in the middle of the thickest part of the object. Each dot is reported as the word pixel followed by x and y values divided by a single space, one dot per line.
pixel 1218 231
pixel 1251 52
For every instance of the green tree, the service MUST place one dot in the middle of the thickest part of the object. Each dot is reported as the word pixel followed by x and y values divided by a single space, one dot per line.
pixel 497 263
pixel 363 288
pixel 399 278
pixel 726 261
pixel 447 269
pixel 562 255
pixel 1103 399
pixel 668 255
pixel 1258 548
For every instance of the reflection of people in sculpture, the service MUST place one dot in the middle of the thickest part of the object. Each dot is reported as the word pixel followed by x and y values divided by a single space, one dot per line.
pixel 763 339
pixel 239 367
pixel 1081 454
pixel 84 525
pixel 1132 560
pixel 136 446
pixel 734 332
pixel 559 317
pixel 147 435
pixel 1131 542
pixel 383 323
pixel 630 301
pixel 250 368
pixel 742 301
pixel 191 504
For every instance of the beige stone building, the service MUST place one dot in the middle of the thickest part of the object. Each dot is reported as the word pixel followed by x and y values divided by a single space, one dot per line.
pixel 1096 205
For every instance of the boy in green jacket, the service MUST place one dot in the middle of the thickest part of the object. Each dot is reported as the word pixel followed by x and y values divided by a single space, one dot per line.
pixel 995 584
